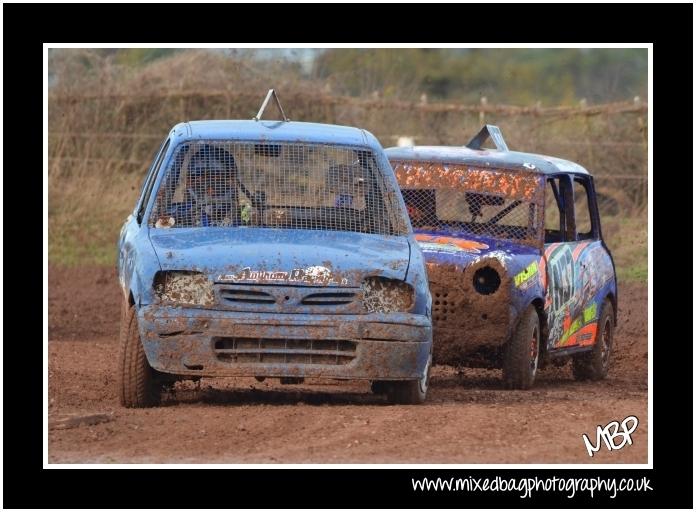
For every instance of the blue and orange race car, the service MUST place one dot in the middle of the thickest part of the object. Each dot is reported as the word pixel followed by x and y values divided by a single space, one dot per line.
pixel 518 269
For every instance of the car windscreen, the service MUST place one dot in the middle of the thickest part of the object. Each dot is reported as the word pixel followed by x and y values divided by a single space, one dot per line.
pixel 460 200
pixel 288 185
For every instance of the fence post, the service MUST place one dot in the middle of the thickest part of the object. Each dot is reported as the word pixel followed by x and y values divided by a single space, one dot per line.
pixel 482 112
pixel 642 125
pixel 588 135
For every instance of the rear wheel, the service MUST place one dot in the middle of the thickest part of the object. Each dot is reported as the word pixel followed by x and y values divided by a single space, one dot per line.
pixel 139 385
pixel 521 359
pixel 594 365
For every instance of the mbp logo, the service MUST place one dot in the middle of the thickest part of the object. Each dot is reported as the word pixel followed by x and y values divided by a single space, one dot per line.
pixel 609 433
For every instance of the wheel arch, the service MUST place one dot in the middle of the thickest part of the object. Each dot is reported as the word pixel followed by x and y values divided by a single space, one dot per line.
pixel 538 304
pixel 611 297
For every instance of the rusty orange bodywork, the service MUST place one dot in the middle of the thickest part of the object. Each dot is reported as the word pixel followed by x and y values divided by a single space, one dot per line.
pixel 516 185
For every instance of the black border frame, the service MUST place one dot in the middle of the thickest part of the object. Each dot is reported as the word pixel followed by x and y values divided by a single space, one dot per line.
pixel 27 26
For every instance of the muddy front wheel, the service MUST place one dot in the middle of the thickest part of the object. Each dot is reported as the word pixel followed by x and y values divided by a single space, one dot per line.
pixel 138 382
pixel 412 392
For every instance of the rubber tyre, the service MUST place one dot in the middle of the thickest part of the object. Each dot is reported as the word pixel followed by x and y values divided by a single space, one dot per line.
pixel 138 383
pixel 379 387
pixel 594 365
pixel 410 392
pixel 521 356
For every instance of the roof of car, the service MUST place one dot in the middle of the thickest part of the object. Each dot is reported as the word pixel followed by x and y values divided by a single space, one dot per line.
pixel 486 158
pixel 274 131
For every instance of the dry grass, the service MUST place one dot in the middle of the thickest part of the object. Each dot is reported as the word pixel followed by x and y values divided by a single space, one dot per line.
pixel 627 238
pixel 85 215
pixel 106 122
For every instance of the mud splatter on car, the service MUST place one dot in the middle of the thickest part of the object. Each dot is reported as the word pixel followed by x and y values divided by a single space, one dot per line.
pixel 518 269
pixel 272 249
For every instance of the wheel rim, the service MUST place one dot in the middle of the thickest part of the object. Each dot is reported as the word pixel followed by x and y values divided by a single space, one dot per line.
pixel 534 351
pixel 423 382
pixel 606 341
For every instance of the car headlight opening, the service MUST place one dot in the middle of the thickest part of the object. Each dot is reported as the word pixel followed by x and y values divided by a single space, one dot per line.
pixel 486 280
pixel 383 295
pixel 184 287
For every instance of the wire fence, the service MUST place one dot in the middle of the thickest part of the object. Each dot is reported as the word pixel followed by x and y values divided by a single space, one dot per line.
pixel 94 134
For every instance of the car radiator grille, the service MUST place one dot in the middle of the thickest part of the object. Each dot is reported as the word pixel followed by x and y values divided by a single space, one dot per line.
pixel 232 296
pixel 290 351
pixel 288 298
pixel 328 299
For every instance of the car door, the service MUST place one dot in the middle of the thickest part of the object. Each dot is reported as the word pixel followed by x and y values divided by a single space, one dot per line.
pixel 595 270
pixel 579 271
pixel 560 252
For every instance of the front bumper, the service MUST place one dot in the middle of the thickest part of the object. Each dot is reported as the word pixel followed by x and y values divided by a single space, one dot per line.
pixel 211 343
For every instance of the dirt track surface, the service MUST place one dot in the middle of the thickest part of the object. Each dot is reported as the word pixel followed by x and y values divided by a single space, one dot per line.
pixel 468 418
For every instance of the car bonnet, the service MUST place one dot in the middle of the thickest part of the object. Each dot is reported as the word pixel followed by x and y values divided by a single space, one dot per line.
pixel 282 256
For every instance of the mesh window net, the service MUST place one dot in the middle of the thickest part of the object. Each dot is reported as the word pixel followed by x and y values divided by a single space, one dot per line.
pixel 458 199
pixel 275 185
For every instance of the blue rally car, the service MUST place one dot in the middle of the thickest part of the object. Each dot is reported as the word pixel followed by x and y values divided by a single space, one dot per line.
pixel 519 272
pixel 272 249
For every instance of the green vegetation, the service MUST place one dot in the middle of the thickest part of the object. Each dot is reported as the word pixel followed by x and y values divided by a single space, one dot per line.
pixel 514 76
pixel 550 76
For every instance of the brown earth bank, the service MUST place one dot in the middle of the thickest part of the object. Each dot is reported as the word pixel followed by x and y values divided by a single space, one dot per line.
pixel 468 418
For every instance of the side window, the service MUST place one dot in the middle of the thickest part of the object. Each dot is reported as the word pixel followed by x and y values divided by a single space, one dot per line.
pixel 559 223
pixel 149 173
pixel 552 213
pixel 583 212
pixel 151 181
